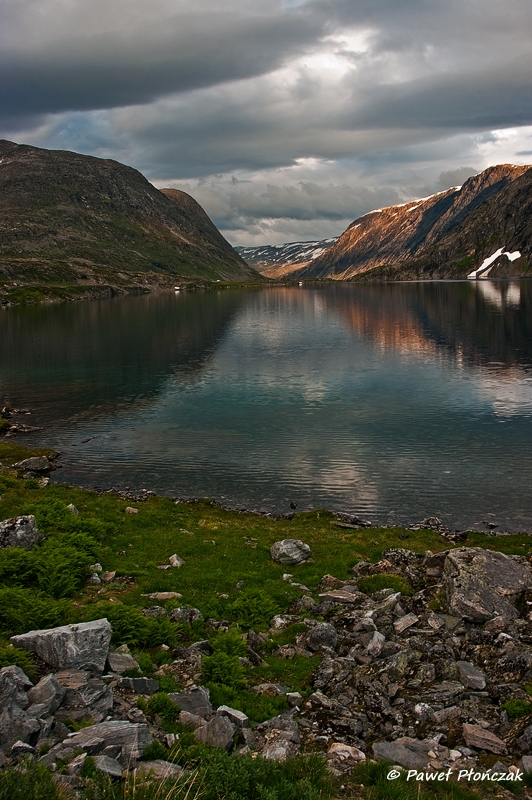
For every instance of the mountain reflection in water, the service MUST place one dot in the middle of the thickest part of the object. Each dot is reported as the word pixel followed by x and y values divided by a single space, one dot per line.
pixel 396 401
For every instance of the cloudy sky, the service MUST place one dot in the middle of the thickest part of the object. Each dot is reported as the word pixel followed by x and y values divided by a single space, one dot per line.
pixel 286 119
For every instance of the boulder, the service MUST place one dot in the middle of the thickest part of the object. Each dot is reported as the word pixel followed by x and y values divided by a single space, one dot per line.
pixel 186 614
pixel 120 662
pixel 476 736
pixel 159 770
pixel 482 584
pixel 15 725
pixel 84 646
pixel 85 697
pixel 341 753
pixel 47 693
pixel 470 676
pixel 109 766
pixel 132 738
pixel 238 718
pixel 34 464
pixel 146 686
pixel 408 752
pixel 218 732
pixel 195 701
pixel 19 532
pixel 14 683
pixel 290 551
pixel 321 635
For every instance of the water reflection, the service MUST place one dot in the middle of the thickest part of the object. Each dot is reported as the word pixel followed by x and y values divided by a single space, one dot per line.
pixel 392 400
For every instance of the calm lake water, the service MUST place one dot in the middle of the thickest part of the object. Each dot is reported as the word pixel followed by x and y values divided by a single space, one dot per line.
pixel 393 401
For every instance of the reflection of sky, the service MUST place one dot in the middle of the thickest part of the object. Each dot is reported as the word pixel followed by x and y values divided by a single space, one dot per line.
pixel 298 403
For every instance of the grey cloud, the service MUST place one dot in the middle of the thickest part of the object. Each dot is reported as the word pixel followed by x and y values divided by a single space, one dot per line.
pixel 455 177
pixel 105 69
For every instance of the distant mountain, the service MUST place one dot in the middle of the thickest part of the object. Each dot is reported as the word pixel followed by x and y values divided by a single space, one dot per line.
pixel 279 260
pixel 487 221
pixel 74 225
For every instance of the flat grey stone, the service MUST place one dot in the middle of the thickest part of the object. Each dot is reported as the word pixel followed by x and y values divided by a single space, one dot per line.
pixel 34 464
pixel 290 551
pixel 405 622
pixel 81 646
pixel 147 686
pixel 19 532
pixel 16 724
pixel 408 752
pixel 321 635
pixel 159 770
pixel 470 676
pixel 526 763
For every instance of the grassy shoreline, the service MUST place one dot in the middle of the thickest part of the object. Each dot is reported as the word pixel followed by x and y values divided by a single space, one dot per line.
pixel 228 575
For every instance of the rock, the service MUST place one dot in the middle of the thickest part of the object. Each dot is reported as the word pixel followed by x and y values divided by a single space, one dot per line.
pixel 84 646
pixel 476 736
pixel 470 676
pixel 526 764
pixel 120 662
pixel 163 596
pixel 19 532
pixel 290 551
pixel 154 612
pixel 21 749
pixel 48 693
pixel 159 770
pixel 293 698
pixel 375 644
pixel 34 464
pixel 345 754
pixel 482 584
pixel 238 718
pixel 408 752
pixel 218 732
pixel 73 510
pixel 321 635
pixel 342 596
pixel 107 577
pixel 15 724
pixel 131 510
pixel 186 614
pixel 85 697
pixel 271 689
pixel 145 686
pixel 193 720
pixel 110 766
pixel 195 701
pixel 282 726
pixel 132 738
pixel 405 622
pixel 175 561
pixel 76 765
pixel 14 683
pixel 278 749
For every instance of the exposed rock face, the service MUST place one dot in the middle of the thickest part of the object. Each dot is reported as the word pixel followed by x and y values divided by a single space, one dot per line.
pixel 290 551
pixel 19 532
pixel 132 739
pixel 277 260
pixel 218 732
pixel 195 701
pixel 482 584
pixel 84 646
pixel 446 235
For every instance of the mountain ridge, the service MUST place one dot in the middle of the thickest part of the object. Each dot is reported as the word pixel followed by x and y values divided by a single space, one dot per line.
pixel 447 235
pixel 99 227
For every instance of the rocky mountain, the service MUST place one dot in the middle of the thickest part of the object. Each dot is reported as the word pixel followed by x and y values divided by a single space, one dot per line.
pixel 278 260
pixel 69 220
pixel 483 225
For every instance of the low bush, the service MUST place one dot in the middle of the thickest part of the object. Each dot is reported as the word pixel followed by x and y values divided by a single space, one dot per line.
pixel 229 642
pixel 254 609
pixel 14 656
pixel 222 669
pixel 517 708
pixel 23 610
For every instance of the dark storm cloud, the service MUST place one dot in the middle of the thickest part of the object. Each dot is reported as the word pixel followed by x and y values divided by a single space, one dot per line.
pixel 70 69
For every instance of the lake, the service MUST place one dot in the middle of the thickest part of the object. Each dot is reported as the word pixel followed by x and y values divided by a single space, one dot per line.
pixel 391 401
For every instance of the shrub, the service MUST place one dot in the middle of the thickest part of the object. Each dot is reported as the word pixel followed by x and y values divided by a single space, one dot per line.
pixel 160 705
pixel 254 609
pixel 61 570
pixel 17 567
pixel 154 751
pixel 258 707
pixel 517 708
pixel 229 642
pixel 22 610
pixel 223 669
pixel 13 656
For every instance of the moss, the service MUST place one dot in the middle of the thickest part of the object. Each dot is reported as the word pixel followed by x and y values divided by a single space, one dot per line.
pixel 374 583
pixel 517 708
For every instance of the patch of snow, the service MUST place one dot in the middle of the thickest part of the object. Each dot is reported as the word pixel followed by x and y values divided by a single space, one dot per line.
pixel 487 264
